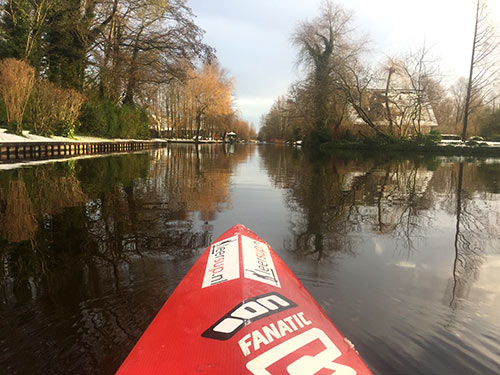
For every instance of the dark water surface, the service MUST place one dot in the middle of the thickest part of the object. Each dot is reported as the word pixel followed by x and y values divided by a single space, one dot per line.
pixel 403 254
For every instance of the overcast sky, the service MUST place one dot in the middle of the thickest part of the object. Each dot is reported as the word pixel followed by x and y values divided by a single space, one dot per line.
pixel 252 38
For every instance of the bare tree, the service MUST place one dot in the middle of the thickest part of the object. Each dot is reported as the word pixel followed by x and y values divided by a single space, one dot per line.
pixel 323 44
pixel 407 82
pixel 390 67
pixel 136 44
pixel 209 90
pixel 484 68
pixel 459 92
pixel 355 80
pixel 16 81
pixel 421 74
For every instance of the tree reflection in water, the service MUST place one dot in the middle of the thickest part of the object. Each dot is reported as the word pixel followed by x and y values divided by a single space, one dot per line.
pixel 102 242
pixel 440 214
pixel 338 199
pixel 18 222
pixel 472 233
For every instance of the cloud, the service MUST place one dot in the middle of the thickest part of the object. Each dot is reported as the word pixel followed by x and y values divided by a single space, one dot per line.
pixel 253 38
pixel 253 107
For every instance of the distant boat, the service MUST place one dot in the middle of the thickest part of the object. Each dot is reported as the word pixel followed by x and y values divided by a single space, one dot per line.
pixel 240 310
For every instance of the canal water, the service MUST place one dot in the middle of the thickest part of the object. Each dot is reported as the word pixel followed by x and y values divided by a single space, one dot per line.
pixel 402 253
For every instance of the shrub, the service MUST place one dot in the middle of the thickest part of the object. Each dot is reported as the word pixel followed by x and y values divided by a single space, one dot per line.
pixel 40 112
pixel 316 137
pixel 431 139
pixel 68 110
pixel 16 81
pixel 495 138
pixel 54 110
pixel 3 115
pixel 134 122
pixel 100 116
pixel 435 136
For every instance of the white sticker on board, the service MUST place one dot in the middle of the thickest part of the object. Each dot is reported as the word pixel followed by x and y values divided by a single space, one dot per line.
pixel 303 363
pixel 223 262
pixel 258 263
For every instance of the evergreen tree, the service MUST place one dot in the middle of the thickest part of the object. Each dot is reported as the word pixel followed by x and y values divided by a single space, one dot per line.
pixel 66 50
pixel 21 29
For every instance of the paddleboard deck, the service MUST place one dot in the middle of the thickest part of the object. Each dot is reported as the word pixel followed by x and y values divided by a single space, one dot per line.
pixel 240 310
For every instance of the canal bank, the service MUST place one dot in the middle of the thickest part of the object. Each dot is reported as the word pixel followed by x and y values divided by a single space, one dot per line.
pixel 31 147
pixel 377 146
pixel 27 146
pixel 16 151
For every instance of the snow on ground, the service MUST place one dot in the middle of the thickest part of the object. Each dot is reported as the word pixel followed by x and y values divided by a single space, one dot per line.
pixel 28 137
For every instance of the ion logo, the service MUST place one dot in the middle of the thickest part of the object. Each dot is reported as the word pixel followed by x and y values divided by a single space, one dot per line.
pixel 248 312
pixel 309 353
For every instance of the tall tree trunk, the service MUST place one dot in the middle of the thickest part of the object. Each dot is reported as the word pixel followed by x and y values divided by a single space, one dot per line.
pixel 132 72
pixel 132 81
pixel 198 127
pixel 387 107
pixel 471 75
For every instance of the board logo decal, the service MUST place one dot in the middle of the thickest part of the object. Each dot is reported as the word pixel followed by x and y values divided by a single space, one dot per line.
pixel 248 312
pixel 223 262
pixel 258 263
pixel 309 353
pixel 266 334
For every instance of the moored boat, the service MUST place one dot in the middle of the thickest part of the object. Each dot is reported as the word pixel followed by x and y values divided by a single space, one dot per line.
pixel 240 310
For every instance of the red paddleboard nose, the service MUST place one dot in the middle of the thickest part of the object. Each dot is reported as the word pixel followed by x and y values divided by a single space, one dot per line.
pixel 240 310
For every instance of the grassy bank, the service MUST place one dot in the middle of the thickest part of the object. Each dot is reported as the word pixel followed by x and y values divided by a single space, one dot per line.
pixel 412 146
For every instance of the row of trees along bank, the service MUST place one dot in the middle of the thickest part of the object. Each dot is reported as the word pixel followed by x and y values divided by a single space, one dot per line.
pixel 340 95
pixel 113 68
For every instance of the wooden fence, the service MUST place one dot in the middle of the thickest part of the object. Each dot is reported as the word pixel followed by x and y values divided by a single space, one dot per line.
pixel 49 150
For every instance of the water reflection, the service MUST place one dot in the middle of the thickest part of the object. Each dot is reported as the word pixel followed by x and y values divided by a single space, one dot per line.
pixel 402 253
pixel 333 200
pixel 404 210
pixel 474 213
pixel 90 249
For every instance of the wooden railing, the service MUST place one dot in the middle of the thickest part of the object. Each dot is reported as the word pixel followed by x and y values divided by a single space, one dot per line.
pixel 48 150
